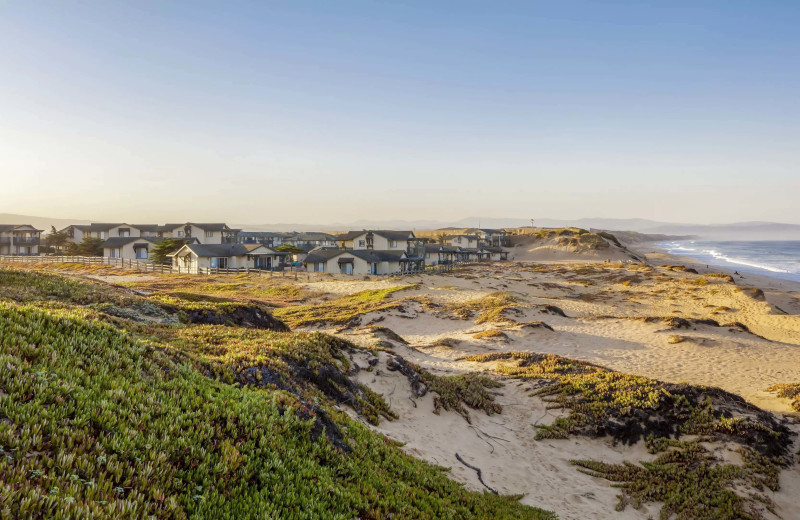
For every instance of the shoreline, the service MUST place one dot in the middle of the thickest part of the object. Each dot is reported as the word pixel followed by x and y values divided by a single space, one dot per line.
pixel 781 293
pixel 736 265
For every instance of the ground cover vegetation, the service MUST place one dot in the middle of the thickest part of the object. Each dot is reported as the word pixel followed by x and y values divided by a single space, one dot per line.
pixel 343 310
pixel 108 417
pixel 679 422
pixel 788 391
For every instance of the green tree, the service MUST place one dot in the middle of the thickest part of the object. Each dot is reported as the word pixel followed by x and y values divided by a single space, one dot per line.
pixel 90 246
pixel 289 248
pixel 57 240
pixel 165 247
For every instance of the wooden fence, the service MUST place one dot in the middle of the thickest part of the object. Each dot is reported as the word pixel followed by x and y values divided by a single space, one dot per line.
pixel 150 267
pixel 122 263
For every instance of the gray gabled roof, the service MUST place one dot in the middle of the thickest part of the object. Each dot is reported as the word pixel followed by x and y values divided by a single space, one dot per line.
pixel 208 226
pixel 4 228
pixel 97 226
pixel 152 227
pixel 439 248
pixel 323 254
pixel 373 255
pixel 385 233
pixel 368 255
pixel 117 242
pixel 226 250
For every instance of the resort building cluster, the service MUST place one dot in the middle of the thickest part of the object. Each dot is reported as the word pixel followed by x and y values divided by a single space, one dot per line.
pixel 218 246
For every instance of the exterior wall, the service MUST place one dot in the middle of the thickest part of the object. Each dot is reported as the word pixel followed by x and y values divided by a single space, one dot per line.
pixel 187 261
pixel 360 266
pixel 469 242
pixel 234 262
pixel 128 252
pixel 110 233
pixel 379 243
pixel 77 236
pixel 198 233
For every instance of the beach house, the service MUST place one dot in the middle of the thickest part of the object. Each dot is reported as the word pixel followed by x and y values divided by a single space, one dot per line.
pixel 76 233
pixel 205 233
pixel 19 239
pixel 360 261
pixel 197 258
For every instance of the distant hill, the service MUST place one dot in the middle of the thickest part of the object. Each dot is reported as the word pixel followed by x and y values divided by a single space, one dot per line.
pixel 42 223
pixel 733 231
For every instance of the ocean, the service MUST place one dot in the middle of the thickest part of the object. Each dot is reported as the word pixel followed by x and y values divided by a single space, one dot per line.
pixel 775 258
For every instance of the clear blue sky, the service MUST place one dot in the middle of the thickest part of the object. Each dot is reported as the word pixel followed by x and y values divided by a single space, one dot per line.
pixel 313 112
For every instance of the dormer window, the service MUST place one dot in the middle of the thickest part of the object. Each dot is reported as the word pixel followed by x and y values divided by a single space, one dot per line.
pixel 209 234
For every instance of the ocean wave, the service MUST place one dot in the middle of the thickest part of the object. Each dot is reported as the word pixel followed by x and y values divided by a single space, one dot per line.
pixel 738 261
pixel 779 260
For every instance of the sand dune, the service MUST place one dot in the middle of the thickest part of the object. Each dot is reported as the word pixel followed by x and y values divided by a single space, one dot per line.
pixel 614 317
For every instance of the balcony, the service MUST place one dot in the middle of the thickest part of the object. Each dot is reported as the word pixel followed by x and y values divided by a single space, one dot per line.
pixel 26 241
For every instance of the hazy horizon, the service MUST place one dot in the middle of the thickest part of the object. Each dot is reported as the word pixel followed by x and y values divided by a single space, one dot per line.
pixel 314 112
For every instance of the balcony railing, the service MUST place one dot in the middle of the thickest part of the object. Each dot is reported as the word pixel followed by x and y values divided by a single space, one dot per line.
pixel 20 241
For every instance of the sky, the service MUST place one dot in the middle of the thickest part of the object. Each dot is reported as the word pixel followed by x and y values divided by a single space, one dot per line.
pixel 316 112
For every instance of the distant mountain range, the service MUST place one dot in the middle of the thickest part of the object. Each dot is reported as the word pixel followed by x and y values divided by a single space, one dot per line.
pixel 734 231
pixel 42 223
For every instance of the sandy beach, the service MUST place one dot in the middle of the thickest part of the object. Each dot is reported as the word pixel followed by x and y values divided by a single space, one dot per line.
pixel 605 305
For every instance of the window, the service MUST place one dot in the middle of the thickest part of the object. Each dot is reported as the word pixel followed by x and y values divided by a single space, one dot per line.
pixel 124 232
pixel 141 253
pixel 114 253
pixel 458 240
pixel 362 243
pixel 209 234
pixel 319 267
pixel 393 243
pixel 180 234
pixel 101 234
pixel 221 262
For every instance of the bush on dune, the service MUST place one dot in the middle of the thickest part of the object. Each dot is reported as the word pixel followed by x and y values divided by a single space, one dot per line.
pixel 686 477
